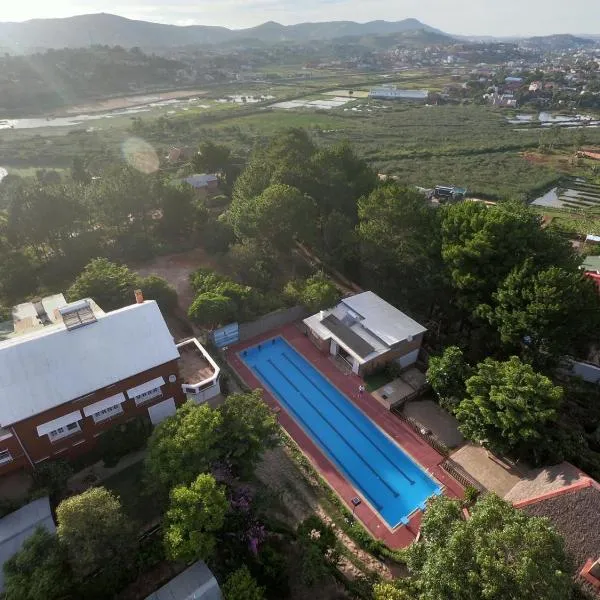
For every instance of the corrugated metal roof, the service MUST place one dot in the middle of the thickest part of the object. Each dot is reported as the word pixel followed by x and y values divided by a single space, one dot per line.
pixel 52 366
pixel 16 527
pixel 195 583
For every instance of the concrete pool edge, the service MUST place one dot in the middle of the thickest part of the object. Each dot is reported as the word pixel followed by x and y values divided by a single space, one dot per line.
pixel 424 455
pixel 404 521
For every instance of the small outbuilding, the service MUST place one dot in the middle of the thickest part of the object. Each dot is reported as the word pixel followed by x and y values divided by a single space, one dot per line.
pixel 366 333
pixel 18 526
pixel 195 583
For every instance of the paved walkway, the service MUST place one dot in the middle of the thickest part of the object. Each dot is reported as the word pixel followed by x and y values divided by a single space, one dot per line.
pixel 409 441
pixel 495 476
pixel 432 416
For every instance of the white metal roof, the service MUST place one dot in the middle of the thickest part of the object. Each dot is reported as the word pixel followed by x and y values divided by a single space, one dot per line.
pixel 382 319
pixel 195 583
pixel 52 366
pixel 370 317
pixel 17 526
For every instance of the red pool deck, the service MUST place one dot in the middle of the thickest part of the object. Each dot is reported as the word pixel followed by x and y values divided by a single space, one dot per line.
pixel 409 441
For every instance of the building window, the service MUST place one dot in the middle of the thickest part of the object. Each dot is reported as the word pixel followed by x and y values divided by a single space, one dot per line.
pixel 107 413
pixel 5 457
pixel 62 432
pixel 147 396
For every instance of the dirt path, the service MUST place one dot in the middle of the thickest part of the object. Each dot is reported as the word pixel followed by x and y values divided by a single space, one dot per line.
pixel 176 269
pixel 278 471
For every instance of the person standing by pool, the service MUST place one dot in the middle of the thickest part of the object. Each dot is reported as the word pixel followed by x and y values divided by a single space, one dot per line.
pixel 361 389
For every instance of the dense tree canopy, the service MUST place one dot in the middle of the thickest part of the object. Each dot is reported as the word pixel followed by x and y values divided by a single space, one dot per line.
pixel 112 286
pixel 249 428
pixel 240 585
pixel 400 251
pixel 38 570
pixel 509 406
pixel 551 311
pixel 94 530
pixel 196 512
pixel 315 293
pixel 481 245
pixel 183 446
pixel 447 375
pixel 499 553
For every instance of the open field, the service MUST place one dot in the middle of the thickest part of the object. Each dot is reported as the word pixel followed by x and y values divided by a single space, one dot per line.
pixel 470 146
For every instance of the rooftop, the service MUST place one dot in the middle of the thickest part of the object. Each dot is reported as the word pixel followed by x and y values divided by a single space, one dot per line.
pixel 195 583
pixel 56 364
pixel 574 512
pixel 193 364
pixel 366 324
pixel 17 526
pixel 591 263
pixel 201 180
pixel 196 365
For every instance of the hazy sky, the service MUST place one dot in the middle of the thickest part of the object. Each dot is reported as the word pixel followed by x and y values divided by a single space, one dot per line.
pixel 480 17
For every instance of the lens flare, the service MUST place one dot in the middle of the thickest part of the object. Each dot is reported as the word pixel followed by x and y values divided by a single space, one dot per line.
pixel 140 155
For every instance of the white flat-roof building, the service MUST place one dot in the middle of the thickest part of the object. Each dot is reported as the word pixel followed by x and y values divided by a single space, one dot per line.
pixel 394 93
pixel 367 333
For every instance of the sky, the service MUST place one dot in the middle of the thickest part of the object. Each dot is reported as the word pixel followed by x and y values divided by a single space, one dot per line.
pixel 470 17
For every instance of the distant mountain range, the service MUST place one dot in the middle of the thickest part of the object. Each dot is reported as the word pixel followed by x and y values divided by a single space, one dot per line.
pixel 112 30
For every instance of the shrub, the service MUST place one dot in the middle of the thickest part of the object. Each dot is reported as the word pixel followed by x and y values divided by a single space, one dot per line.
pixel 123 439
pixel 51 478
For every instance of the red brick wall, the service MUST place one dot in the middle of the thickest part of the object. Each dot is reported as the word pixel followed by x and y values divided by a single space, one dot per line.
pixel 19 459
pixel 40 448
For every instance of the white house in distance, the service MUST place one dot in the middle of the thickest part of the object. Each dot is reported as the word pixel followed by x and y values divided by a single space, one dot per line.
pixel 367 333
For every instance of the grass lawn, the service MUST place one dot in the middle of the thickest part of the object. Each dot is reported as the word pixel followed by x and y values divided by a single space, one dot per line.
pixel 128 485
pixel 377 380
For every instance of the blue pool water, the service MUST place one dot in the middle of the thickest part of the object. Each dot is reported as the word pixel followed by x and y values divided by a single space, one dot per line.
pixel 387 478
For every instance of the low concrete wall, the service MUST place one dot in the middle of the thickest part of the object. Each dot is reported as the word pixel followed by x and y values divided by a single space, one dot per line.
pixel 273 320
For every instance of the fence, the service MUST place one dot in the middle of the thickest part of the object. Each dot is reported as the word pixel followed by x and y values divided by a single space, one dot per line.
pixel 273 320
pixel 422 432
pixel 456 471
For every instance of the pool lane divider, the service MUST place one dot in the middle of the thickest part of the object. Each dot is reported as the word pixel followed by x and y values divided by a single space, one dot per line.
pixel 376 504
pixel 345 416
pixel 377 475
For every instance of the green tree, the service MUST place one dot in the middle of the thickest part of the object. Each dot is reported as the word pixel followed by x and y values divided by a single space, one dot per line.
pixel 278 214
pixel 210 309
pixel 109 284
pixel 182 446
pixel 249 428
pixel 94 530
pixel 38 570
pixel 550 311
pixel 391 591
pixel 196 512
pixel 240 585
pixel 319 547
pixel 79 172
pixel 498 554
pixel 509 406
pixel 157 288
pixel 315 293
pixel 400 247
pixel 481 245
pixel 211 158
pixel 447 375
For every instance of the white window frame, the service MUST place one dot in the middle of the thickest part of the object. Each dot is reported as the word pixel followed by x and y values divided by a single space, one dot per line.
pixel 63 432
pixel 148 396
pixel 5 457
pixel 108 413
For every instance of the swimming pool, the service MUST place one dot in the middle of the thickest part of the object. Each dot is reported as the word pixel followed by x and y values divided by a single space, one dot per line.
pixel 388 479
